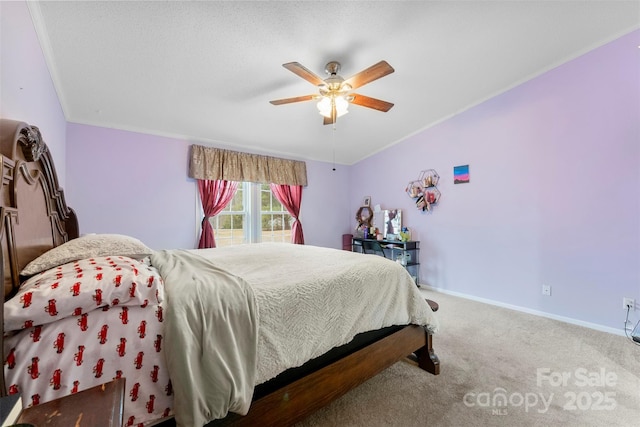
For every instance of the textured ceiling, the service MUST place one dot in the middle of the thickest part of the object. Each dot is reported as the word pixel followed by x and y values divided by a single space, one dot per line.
pixel 206 71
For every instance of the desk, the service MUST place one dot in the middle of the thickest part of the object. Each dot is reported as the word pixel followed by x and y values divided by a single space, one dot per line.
pixel 100 406
pixel 406 253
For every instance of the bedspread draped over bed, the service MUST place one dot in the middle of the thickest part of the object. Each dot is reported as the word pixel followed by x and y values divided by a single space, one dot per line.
pixel 307 299
pixel 311 299
pixel 211 328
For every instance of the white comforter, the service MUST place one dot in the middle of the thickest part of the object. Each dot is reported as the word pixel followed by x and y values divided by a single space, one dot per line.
pixel 311 299
pixel 300 302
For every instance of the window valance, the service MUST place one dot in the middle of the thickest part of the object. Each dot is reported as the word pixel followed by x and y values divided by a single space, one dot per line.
pixel 215 163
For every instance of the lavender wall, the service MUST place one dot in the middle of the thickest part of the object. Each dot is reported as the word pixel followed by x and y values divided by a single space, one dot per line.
pixel 131 183
pixel 326 205
pixel 554 194
pixel 136 184
pixel 26 87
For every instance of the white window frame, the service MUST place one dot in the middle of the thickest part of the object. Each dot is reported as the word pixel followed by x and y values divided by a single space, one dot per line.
pixel 252 203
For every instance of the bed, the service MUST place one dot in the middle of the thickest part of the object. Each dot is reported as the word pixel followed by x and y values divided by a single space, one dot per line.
pixel 111 307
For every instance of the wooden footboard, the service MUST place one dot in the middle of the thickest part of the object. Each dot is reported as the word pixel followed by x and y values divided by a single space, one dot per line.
pixel 297 400
pixel 427 358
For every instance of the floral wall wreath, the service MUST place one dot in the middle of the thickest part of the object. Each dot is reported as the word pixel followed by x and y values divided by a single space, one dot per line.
pixel 424 190
pixel 364 216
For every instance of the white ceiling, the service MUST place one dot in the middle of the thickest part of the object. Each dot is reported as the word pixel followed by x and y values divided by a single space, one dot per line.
pixel 206 71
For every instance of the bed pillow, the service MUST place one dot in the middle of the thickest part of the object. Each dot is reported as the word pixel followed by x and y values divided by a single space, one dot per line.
pixel 80 286
pixel 87 246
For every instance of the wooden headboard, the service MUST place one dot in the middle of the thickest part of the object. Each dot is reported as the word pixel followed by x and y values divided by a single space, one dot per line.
pixel 34 216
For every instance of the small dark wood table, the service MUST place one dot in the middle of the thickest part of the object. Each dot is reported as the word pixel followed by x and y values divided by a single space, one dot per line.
pixel 100 406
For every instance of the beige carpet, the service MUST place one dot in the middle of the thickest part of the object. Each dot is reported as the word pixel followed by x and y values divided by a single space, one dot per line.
pixel 549 372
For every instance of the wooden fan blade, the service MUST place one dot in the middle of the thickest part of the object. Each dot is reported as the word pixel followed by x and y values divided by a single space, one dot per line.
pixel 290 100
pixel 304 72
pixel 372 73
pixel 366 101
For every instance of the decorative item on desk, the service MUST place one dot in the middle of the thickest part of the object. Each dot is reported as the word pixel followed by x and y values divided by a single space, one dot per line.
pixel 392 222
pixel 405 236
pixel 359 231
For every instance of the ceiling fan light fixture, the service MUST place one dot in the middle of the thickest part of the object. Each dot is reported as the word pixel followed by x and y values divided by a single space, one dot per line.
pixel 333 97
pixel 324 106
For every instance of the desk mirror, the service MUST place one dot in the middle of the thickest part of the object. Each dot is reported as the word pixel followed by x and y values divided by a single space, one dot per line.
pixel 392 223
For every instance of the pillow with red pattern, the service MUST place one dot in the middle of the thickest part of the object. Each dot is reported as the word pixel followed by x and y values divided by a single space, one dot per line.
pixel 81 286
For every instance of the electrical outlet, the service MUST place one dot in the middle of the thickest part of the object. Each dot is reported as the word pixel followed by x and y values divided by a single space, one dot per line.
pixel 628 303
pixel 546 290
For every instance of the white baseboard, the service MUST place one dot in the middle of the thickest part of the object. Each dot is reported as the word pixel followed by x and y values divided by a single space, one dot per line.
pixel 528 310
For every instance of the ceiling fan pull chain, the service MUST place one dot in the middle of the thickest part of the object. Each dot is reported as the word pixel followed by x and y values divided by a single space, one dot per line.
pixel 333 143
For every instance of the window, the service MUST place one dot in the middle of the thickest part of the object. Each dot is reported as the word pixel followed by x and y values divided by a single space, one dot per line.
pixel 253 215
pixel 228 225
pixel 275 220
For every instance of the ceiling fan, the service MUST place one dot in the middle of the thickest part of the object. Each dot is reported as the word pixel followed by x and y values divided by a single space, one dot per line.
pixel 335 92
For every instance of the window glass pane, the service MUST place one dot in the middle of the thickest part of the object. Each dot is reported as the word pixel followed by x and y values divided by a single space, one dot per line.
pixel 228 224
pixel 275 220
pixel 233 224
pixel 237 203
pixel 265 198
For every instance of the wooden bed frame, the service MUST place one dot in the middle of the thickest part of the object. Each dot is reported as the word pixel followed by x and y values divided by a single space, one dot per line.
pixel 35 218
